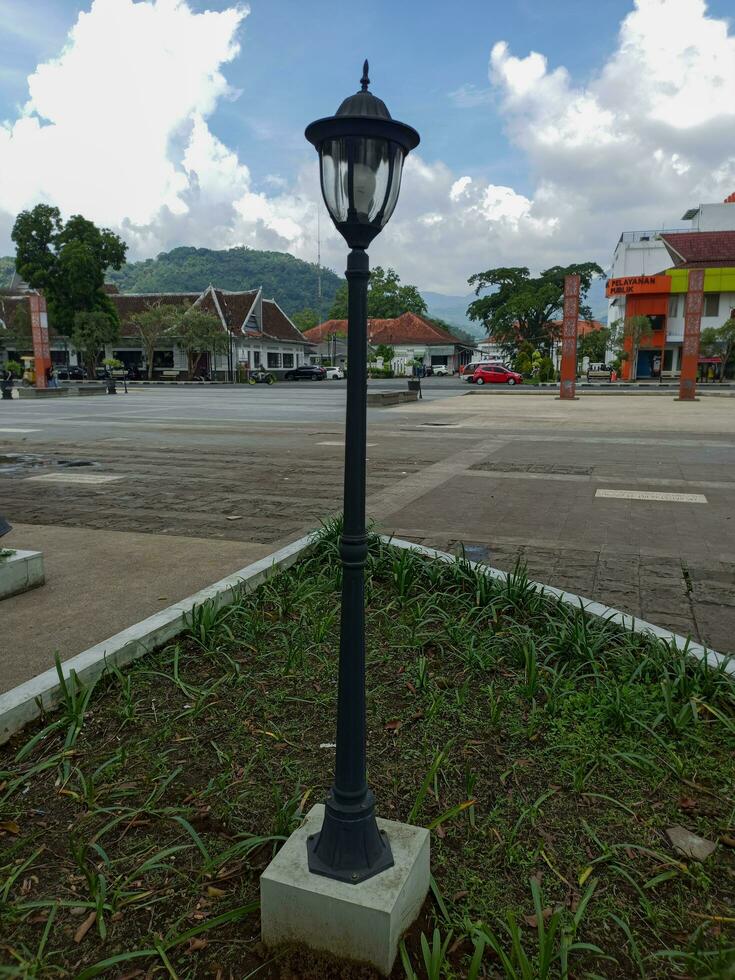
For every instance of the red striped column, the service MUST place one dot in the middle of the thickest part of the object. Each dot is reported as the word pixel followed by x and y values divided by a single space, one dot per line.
pixel 692 326
pixel 569 338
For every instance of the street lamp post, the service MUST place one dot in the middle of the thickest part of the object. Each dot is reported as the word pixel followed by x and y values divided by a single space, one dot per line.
pixel 361 152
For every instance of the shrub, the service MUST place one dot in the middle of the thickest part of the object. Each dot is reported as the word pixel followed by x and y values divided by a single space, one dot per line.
pixel 15 366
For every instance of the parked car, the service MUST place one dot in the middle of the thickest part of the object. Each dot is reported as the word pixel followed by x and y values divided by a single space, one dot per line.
pixel 496 374
pixel 307 372
pixel 468 371
pixel 440 370
pixel 69 372
pixel 334 373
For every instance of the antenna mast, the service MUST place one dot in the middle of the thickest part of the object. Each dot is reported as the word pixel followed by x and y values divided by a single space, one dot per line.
pixel 318 264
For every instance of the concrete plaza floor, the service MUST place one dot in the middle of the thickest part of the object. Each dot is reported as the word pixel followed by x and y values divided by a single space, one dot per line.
pixel 183 487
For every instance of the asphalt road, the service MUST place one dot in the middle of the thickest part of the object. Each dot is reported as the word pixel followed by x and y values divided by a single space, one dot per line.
pixel 233 473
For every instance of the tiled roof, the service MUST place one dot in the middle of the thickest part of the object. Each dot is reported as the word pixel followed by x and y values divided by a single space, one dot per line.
pixel 409 328
pixel 692 249
pixel 235 307
pixel 583 328
pixel 127 304
pixel 8 305
pixel 278 326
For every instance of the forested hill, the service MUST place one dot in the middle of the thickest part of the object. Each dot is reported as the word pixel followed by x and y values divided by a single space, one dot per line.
pixel 288 280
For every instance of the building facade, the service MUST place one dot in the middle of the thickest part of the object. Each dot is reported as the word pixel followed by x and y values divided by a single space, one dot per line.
pixel 256 333
pixel 414 339
pixel 650 278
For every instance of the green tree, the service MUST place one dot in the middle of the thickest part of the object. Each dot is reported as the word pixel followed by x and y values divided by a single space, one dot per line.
pixel 386 352
pixel 154 325
pixel 719 342
pixel 66 261
pixel 520 307
pixel 294 283
pixel 17 334
pixel 92 330
pixel 634 330
pixel 306 319
pixel 197 332
pixel 594 345
pixel 387 298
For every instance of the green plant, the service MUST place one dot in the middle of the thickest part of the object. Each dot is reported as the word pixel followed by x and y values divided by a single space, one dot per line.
pixel 555 941
pixel 15 366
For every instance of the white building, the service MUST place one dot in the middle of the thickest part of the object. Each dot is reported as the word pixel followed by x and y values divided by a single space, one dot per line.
pixel 257 333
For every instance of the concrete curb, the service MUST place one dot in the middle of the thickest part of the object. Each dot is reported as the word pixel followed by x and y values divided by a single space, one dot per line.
pixel 607 391
pixel 27 701
pixel 717 661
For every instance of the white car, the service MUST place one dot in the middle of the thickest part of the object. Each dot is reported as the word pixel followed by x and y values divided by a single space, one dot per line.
pixel 440 370
pixel 334 373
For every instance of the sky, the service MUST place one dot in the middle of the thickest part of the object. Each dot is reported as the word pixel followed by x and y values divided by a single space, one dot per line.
pixel 546 129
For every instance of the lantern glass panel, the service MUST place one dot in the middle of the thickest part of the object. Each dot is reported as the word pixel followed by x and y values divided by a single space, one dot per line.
pixel 377 178
pixel 334 177
pixel 395 183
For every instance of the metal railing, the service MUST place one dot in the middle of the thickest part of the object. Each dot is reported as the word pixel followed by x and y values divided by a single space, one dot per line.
pixel 643 236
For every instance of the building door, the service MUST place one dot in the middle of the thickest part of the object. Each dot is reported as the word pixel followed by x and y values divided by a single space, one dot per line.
pixel 644 368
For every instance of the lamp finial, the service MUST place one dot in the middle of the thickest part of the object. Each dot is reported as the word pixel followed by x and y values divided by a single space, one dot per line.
pixel 365 81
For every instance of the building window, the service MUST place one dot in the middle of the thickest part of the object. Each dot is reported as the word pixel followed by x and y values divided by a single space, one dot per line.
pixel 163 359
pixel 274 360
pixel 256 358
pixel 673 306
pixel 288 360
pixel 712 304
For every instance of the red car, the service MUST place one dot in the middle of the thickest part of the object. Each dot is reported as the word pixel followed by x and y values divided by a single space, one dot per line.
pixel 496 374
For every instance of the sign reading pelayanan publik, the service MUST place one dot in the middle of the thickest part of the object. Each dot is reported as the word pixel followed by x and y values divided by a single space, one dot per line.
pixel 638 284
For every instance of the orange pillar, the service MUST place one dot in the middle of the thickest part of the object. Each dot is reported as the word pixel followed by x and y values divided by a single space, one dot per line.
pixel 39 331
pixel 569 337
pixel 690 347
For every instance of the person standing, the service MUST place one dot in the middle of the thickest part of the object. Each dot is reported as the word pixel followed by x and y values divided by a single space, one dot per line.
pixel 6 382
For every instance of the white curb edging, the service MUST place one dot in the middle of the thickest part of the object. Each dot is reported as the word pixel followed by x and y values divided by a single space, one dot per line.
pixel 717 661
pixel 27 701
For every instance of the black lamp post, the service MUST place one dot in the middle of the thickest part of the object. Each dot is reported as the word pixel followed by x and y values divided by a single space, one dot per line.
pixel 361 153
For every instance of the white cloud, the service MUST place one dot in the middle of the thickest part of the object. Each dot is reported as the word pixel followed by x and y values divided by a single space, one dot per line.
pixel 647 136
pixel 118 131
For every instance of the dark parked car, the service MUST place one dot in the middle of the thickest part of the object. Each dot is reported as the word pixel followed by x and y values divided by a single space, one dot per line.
pixel 307 372
pixel 69 372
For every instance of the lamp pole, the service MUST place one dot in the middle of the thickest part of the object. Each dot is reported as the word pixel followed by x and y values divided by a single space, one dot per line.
pixel 361 152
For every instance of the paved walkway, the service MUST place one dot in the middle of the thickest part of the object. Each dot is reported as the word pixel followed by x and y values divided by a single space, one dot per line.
pixel 196 484
pixel 98 583
pixel 529 492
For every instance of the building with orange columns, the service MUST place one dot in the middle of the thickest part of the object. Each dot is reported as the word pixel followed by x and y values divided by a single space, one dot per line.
pixel 650 277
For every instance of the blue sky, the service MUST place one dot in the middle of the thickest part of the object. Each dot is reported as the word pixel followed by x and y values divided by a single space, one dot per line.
pixel 588 123
pixel 303 56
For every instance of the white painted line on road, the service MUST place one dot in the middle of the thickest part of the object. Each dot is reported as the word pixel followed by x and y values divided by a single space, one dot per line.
pixel 20 431
pixel 88 478
pixel 677 498
pixel 342 443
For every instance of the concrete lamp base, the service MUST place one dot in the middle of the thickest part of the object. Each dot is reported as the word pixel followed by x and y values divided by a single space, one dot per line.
pixel 20 571
pixel 362 922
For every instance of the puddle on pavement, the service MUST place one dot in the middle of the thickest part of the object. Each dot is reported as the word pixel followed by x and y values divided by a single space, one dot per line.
pixel 12 464
pixel 474 552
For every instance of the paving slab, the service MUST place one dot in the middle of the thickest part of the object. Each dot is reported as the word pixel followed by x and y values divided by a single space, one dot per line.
pixel 507 476
pixel 98 583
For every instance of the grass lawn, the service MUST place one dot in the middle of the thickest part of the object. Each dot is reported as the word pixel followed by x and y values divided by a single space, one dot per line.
pixel 547 751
